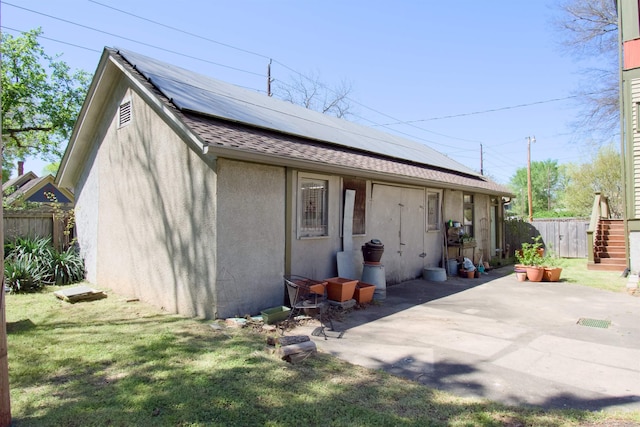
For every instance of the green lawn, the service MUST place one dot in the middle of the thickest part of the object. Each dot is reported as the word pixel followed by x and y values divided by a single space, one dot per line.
pixel 575 271
pixel 118 363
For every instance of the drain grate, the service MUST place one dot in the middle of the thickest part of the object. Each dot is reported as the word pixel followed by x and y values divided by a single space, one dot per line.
pixel 594 323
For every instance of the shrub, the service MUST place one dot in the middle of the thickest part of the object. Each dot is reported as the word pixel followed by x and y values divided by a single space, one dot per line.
pixel 23 274
pixel 67 267
pixel 39 247
pixel 31 263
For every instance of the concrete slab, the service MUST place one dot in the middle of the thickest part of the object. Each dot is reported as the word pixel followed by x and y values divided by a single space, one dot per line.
pixel 496 338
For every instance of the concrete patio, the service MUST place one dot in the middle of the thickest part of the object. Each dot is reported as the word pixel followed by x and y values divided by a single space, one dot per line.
pixel 518 343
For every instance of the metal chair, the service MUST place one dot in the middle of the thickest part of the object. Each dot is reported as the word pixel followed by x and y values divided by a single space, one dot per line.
pixel 308 294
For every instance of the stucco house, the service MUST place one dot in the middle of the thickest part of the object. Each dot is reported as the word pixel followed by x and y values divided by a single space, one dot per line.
pixel 198 196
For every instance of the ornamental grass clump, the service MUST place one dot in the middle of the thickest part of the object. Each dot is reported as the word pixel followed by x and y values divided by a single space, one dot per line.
pixel 32 263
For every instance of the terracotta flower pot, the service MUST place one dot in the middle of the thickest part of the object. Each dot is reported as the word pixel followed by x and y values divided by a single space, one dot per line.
pixel 521 275
pixel 552 274
pixel 340 289
pixel 364 293
pixel 535 274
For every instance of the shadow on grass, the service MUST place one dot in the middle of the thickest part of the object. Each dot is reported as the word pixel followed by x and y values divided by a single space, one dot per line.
pixel 165 370
pixel 20 326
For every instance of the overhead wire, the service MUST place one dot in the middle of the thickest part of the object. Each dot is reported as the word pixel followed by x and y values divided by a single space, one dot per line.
pixel 492 110
pixel 135 41
pixel 180 30
pixel 410 123
pixel 321 85
pixel 53 40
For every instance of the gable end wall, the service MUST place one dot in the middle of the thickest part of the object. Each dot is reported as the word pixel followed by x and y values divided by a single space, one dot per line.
pixel 154 212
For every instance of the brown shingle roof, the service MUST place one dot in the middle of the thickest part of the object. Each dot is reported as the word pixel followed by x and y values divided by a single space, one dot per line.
pixel 218 133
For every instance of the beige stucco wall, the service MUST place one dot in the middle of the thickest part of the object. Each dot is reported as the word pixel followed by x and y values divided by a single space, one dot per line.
pixel 251 237
pixel 156 219
pixel 87 193
pixel 211 237
pixel 385 220
pixel 314 257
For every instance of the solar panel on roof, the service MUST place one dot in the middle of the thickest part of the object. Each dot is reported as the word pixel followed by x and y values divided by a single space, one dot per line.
pixel 198 93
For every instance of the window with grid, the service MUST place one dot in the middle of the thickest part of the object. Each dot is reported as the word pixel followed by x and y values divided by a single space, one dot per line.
pixel 433 211
pixel 312 211
pixel 467 214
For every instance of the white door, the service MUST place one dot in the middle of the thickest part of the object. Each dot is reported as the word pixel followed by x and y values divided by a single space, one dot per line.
pixel 398 220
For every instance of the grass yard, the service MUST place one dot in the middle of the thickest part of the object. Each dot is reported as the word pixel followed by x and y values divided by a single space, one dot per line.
pixel 118 363
pixel 575 271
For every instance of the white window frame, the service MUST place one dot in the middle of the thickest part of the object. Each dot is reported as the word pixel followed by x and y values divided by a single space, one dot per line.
pixel 433 226
pixel 313 219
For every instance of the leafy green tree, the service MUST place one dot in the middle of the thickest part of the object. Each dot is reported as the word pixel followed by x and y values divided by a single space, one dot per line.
pixel 545 179
pixel 41 99
pixel 51 169
pixel 603 174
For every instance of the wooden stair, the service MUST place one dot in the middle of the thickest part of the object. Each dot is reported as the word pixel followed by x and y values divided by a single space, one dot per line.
pixel 609 246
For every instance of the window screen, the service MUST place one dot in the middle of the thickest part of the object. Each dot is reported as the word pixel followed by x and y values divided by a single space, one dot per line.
pixel 313 207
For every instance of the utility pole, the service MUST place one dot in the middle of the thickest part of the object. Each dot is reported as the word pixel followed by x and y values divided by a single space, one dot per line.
pixel 529 141
pixel 269 78
pixel 481 162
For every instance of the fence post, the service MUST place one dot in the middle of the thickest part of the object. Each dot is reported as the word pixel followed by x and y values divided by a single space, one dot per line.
pixel 57 232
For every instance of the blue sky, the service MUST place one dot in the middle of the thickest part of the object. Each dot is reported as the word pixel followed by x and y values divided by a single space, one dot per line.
pixel 440 65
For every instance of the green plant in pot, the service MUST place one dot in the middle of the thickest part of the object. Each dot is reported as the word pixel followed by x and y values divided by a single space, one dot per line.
pixel 552 267
pixel 530 257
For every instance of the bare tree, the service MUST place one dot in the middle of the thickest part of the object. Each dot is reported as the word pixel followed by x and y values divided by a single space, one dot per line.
pixel 589 31
pixel 311 93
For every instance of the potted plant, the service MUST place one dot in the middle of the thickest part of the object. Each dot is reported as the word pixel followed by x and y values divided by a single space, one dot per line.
pixel 552 268
pixel 521 274
pixel 530 257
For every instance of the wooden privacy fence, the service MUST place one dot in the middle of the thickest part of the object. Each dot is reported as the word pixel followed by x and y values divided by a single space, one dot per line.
pixel 35 223
pixel 565 237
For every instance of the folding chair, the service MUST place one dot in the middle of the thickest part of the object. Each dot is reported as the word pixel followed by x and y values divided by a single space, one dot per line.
pixel 305 293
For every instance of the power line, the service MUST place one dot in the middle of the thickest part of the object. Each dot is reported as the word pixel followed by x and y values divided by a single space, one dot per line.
pixel 373 123
pixel 53 40
pixel 284 66
pixel 511 107
pixel 179 30
pixel 135 41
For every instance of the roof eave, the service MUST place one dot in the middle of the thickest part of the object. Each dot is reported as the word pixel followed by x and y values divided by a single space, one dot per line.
pixel 309 165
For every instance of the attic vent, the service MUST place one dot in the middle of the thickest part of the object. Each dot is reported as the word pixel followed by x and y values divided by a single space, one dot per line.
pixel 124 116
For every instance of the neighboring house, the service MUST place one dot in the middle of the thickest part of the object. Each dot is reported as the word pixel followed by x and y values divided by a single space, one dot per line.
pixel 29 211
pixel 197 195
pixel 28 188
pixel 629 32
pixel 14 183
